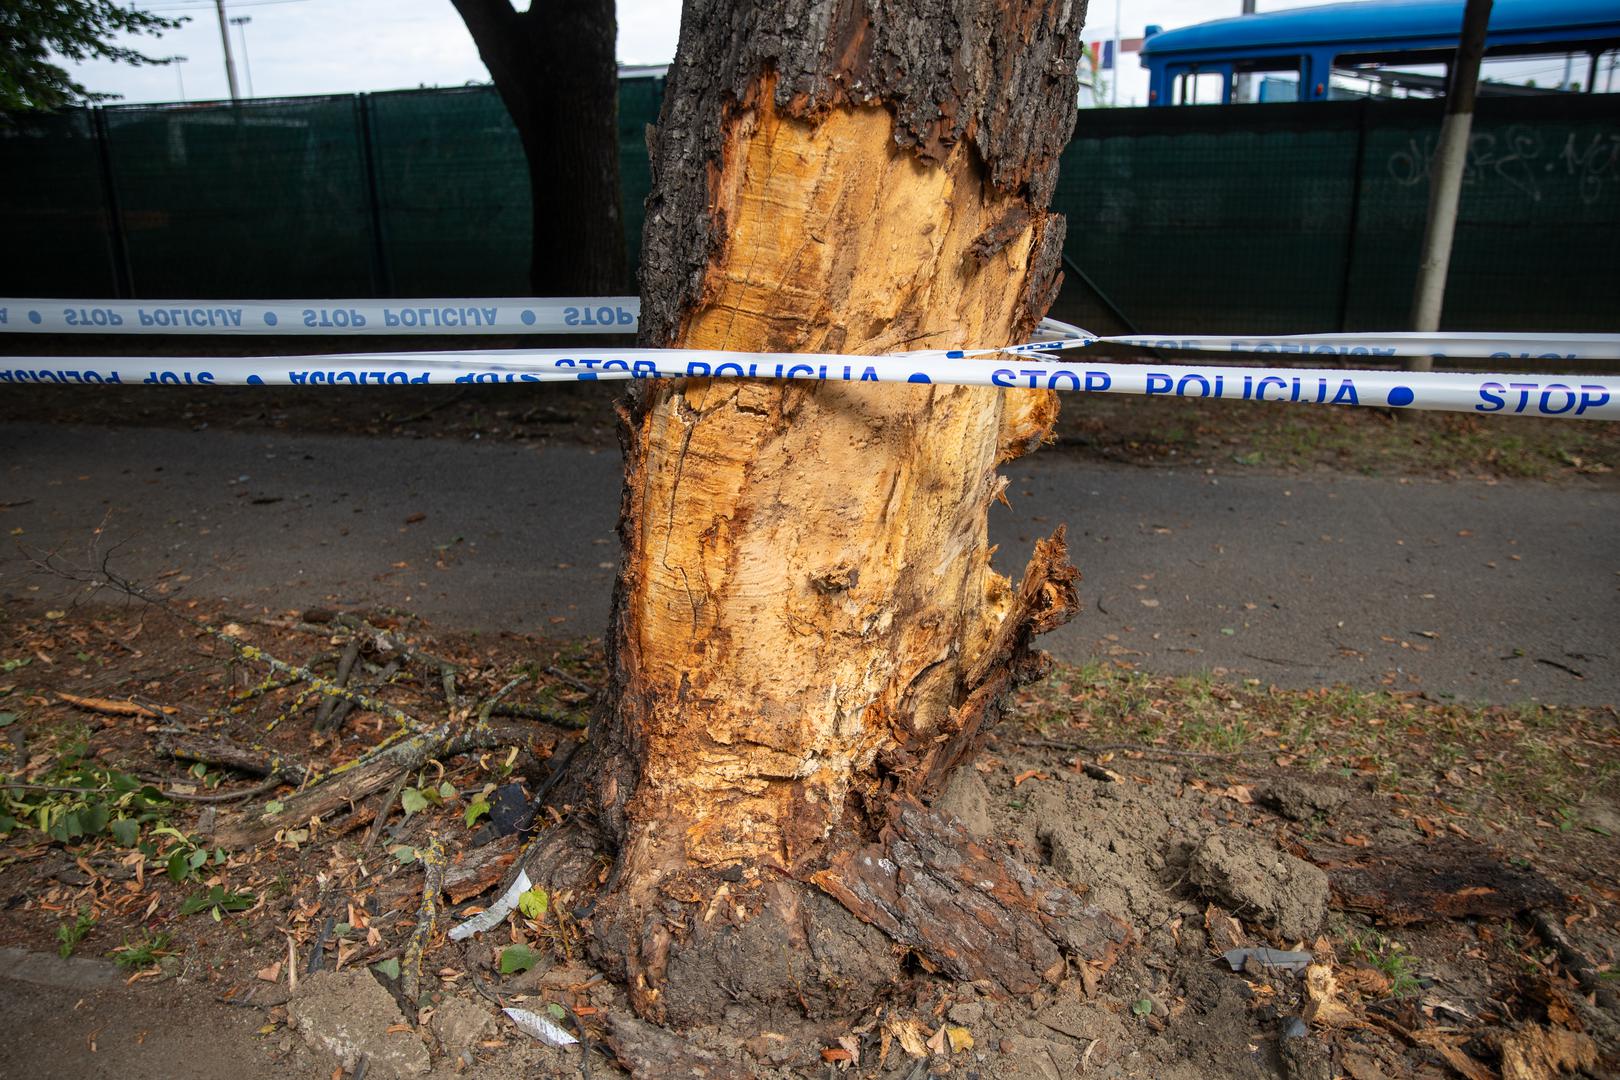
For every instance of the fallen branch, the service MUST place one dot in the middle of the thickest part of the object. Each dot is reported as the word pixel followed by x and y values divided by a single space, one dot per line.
pixel 372 772
pixel 433 867
pixel 1577 963
pixel 213 750
pixel 345 668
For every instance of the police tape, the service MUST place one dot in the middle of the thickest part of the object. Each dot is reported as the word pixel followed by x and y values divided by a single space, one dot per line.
pixel 621 315
pixel 1437 345
pixel 1024 366
pixel 467 315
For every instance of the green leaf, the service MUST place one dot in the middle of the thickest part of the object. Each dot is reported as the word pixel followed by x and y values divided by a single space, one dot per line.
pixel 557 1011
pixel 196 859
pixel 404 853
pixel 126 831
pixel 475 810
pixel 518 958
pixel 274 807
pixel 388 968
pixel 93 818
pixel 1142 1007
pixel 178 870
pixel 447 790
pixel 7 719
pixel 534 903
pixel 413 801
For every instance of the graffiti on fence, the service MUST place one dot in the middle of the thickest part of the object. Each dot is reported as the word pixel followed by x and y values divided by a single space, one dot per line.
pixel 1519 158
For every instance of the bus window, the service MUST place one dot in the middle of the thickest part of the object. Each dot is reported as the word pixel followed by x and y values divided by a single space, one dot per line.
pixel 1201 88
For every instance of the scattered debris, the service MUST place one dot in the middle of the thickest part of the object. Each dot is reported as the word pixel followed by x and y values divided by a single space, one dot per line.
pixel 1256 880
pixel 492 916
pixel 1300 800
pixel 1260 960
pixel 538 1027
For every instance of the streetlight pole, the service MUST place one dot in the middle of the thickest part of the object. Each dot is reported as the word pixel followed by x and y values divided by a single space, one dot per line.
pixel 1446 175
pixel 179 73
pixel 240 22
pixel 225 39
pixel 1245 81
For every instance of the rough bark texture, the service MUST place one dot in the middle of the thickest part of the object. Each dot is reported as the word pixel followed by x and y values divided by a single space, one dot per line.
pixel 553 65
pixel 807 632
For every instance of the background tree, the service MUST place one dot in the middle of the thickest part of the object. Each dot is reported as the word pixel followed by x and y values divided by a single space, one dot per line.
pixel 554 67
pixel 807 635
pixel 33 32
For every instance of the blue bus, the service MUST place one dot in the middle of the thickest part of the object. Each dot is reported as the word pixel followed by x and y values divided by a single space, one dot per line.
pixel 1294 54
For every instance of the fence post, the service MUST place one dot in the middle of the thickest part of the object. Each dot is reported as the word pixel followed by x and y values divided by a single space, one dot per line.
pixel 382 279
pixel 117 243
pixel 1355 216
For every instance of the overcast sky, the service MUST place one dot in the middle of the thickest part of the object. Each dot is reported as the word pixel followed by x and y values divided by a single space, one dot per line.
pixel 341 46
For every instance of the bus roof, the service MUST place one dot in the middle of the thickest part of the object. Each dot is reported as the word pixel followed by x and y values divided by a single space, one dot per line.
pixel 1385 25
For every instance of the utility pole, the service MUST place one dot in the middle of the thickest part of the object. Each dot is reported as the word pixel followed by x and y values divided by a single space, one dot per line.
pixel 240 22
pixel 225 39
pixel 1446 175
pixel 1114 71
pixel 1245 81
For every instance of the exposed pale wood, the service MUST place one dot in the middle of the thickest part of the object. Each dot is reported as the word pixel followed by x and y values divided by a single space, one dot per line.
pixel 806 624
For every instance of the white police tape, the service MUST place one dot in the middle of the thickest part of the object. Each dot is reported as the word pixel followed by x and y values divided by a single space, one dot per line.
pixel 467 315
pixel 621 315
pixel 1588 397
pixel 1438 345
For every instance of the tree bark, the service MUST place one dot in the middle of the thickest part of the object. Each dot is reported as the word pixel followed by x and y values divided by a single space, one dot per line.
pixel 554 68
pixel 807 634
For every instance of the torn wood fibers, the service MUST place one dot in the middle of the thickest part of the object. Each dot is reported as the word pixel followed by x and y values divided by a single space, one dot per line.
pixel 807 632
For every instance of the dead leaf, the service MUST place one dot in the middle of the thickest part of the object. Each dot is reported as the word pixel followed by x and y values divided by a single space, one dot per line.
pixel 910 1033
pixel 835 1055
pixel 961 1039
pixel 270 974
pixel 111 707
pixel 1029 774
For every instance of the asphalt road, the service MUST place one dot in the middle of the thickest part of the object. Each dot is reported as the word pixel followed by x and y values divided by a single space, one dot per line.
pixel 1498 592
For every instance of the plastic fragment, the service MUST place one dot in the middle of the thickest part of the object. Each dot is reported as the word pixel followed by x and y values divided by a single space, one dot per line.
pixel 1277 959
pixel 491 916
pixel 537 1026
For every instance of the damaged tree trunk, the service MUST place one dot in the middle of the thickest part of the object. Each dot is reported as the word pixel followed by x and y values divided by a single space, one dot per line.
pixel 807 634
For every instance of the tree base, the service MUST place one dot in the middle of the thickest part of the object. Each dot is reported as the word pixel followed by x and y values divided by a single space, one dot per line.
pixel 832 946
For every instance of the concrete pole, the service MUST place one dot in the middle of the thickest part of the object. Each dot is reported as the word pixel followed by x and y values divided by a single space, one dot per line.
pixel 225 38
pixel 1113 74
pixel 1245 82
pixel 1446 175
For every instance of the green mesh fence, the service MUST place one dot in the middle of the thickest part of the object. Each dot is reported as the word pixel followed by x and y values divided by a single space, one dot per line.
pixel 1290 218
pixel 453 192
pixel 266 198
pixel 53 209
pixel 1243 218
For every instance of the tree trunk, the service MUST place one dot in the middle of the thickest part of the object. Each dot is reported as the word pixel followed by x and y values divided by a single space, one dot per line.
pixel 807 634
pixel 554 68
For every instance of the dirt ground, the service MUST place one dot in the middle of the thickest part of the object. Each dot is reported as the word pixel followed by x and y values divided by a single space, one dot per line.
pixel 1451 873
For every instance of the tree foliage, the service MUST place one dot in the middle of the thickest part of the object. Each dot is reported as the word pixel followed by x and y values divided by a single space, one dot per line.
pixel 36 33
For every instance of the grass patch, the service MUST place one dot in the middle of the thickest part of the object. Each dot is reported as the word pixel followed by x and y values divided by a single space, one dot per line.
pixel 1532 761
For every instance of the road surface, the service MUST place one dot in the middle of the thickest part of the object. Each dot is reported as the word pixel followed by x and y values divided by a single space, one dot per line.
pixel 1500 592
